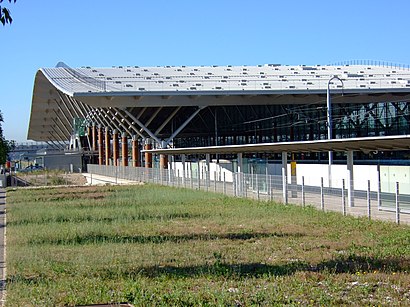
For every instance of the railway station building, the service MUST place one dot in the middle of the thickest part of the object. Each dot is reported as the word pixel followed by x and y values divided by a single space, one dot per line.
pixel 91 111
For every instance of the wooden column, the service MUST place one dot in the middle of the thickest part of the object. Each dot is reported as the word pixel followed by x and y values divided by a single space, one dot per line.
pixel 107 146
pixel 148 156
pixel 115 147
pixel 124 149
pixel 135 152
pixel 163 161
pixel 100 146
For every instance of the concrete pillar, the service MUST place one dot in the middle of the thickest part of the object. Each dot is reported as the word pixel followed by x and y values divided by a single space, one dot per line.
pixel 148 156
pixel 115 147
pixel 94 145
pixel 100 146
pixel 124 149
pixel 107 146
pixel 135 152
pixel 350 182
pixel 285 176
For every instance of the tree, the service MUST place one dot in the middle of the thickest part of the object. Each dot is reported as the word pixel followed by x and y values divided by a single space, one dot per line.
pixel 5 16
pixel 5 145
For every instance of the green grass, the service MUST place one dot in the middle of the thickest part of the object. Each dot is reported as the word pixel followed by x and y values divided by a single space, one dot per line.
pixel 162 246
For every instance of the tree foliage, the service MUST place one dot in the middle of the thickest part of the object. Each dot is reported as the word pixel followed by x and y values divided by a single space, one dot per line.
pixel 5 145
pixel 5 16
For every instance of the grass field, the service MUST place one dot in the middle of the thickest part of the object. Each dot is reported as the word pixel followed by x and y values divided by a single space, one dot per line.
pixel 162 246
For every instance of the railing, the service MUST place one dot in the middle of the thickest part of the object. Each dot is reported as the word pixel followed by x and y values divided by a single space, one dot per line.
pixel 373 204
pixel 372 63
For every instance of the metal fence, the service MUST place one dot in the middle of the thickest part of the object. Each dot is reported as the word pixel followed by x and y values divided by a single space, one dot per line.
pixel 263 187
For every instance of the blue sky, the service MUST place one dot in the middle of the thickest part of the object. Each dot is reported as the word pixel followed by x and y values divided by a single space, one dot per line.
pixel 210 32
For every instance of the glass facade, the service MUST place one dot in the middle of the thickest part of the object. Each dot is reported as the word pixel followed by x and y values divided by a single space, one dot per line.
pixel 247 124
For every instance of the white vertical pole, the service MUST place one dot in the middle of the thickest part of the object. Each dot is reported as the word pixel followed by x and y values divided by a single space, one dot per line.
pixel 343 197
pixel 379 188
pixel 199 176
pixel 244 186
pixel 215 181
pixel 170 169
pixel 234 183
pixel 257 187
pixel 240 172
pixel 208 170
pixel 266 182
pixel 191 175
pixel 284 176
pixel 322 197
pixel 350 182
pixel 397 204
pixel 369 208
pixel 224 184
pixel 183 169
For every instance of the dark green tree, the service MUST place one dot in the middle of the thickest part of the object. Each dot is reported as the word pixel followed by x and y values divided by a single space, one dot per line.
pixel 5 145
pixel 5 16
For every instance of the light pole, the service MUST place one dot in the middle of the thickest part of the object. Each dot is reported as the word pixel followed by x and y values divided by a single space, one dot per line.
pixel 329 124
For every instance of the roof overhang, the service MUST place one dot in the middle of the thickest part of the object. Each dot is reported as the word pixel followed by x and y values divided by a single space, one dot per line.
pixel 365 144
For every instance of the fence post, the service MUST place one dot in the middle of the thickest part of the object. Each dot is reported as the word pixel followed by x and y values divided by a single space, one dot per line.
pixel 267 183
pixel 369 208
pixel 199 178
pixel 379 191
pixel 215 181
pixel 270 188
pixel 285 189
pixel 303 191
pixel 224 186
pixel 234 183
pixel 343 198
pixel 397 204
pixel 322 197
pixel 191 179
pixel 257 186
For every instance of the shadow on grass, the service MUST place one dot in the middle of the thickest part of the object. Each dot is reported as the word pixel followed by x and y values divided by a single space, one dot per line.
pixel 106 219
pixel 355 263
pixel 218 268
pixel 350 265
pixel 158 239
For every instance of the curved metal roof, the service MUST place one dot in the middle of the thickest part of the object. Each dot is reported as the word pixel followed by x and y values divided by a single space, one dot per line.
pixel 133 86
